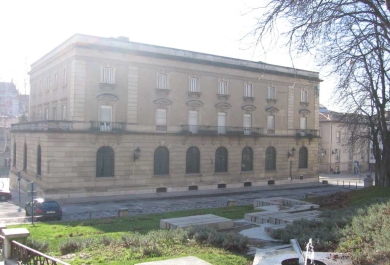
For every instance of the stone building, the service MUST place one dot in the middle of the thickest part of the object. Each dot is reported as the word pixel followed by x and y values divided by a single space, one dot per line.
pixel 111 117
pixel 335 153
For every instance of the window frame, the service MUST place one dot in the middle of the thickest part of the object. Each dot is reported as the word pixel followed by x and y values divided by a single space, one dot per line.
pixel 271 93
pixel 223 87
pixel 162 81
pixel 103 155
pixel 303 157
pixel 270 158
pixel 193 160
pixel 161 161
pixel 221 160
pixel 194 84
pixel 248 88
pixel 247 159
pixel 108 75
pixel 304 96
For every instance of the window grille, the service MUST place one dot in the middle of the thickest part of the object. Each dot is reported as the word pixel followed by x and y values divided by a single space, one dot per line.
pixel 221 159
pixel 303 157
pixel 247 159
pixel 194 84
pixel 161 161
pixel 270 158
pixel 105 161
pixel 108 75
pixel 192 160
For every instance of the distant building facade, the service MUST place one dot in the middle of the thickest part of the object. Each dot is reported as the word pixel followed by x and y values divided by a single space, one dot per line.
pixel 335 154
pixel 110 117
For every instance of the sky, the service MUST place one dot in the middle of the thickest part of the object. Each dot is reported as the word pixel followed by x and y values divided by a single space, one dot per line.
pixel 30 29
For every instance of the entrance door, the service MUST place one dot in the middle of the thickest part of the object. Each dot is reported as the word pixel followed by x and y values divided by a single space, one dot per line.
pixel 105 118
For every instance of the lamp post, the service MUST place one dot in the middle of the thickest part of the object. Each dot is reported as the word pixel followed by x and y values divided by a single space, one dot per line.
pixel 288 156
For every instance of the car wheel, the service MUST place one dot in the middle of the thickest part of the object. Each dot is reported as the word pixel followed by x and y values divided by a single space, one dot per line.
pixel 2 198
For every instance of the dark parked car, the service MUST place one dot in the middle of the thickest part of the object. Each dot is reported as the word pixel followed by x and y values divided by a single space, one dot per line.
pixel 44 209
pixel 5 195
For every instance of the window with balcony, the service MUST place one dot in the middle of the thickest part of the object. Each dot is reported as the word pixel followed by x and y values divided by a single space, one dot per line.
pixel 303 157
pixel 161 161
pixel 247 159
pixel 270 158
pixel 221 160
pixel 105 162
pixel 161 120
pixel 39 160
pixel 192 160
pixel 193 121
pixel 271 124
pixel 303 125
pixel 247 124
pixel 221 123
pixel 105 118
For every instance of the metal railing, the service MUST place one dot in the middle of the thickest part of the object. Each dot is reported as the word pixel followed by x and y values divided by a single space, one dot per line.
pixel 29 256
pixel 221 130
pixel 101 126
pixel 43 126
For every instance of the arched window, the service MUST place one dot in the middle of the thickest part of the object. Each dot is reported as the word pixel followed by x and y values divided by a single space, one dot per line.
pixel 161 161
pixel 221 160
pixel 105 162
pixel 39 160
pixel 192 160
pixel 303 157
pixel 247 159
pixel 14 156
pixel 270 158
pixel 25 157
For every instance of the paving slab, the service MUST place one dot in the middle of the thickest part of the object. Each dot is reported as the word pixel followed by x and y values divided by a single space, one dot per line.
pixel 190 260
pixel 209 220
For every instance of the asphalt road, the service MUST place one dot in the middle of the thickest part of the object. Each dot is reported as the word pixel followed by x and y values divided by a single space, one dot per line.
pixel 79 209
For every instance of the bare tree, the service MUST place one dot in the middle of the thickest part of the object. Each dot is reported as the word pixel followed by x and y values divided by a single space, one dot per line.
pixel 352 38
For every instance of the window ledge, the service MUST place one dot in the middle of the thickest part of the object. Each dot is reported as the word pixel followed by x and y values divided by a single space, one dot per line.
pixel 107 86
pixel 249 98
pixel 304 104
pixel 194 93
pixel 271 171
pixel 247 172
pixel 193 175
pixel 221 173
pixel 162 176
pixel 163 90
pixel 271 100
pixel 225 96
pixel 105 178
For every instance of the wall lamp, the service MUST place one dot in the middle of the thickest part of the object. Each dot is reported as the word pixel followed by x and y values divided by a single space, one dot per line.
pixel 292 153
pixel 323 152
pixel 334 152
pixel 137 153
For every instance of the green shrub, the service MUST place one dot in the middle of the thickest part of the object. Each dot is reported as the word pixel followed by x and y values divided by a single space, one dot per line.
pixel 69 246
pixel 131 239
pixel 234 242
pixel 39 245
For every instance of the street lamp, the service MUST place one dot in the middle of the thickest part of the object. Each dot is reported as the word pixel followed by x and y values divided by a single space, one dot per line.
pixel 292 153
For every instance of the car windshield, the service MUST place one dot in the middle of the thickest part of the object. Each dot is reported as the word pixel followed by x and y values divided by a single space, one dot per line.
pixel 50 205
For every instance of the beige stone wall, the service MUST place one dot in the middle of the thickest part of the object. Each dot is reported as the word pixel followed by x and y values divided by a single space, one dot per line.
pixel 69 161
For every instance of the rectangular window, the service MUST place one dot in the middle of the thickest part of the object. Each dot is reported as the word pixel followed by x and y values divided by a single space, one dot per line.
pixel 162 81
pixel 161 120
pixel 55 80
pixel 303 96
pixel 54 114
pixel 193 121
pixel 271 92
pixel 105 118
pixel 46 114
pixel 221 122
pixel 303 123
pixel 338 137
pixel 222 88
pixel 247 122
pixel 194 84
pixel 108 75
pixel 48 83
pixel 64 78
pixel 63 112
pixel 271 124
pixel 248 90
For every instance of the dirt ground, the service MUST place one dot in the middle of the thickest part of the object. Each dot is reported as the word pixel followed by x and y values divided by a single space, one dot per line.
pixel 337 200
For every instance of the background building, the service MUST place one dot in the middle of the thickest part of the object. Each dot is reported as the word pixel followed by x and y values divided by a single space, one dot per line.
pixel 335 153
pixel 116 117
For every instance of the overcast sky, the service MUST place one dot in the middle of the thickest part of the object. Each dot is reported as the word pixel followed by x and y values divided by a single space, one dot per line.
pixel 30 29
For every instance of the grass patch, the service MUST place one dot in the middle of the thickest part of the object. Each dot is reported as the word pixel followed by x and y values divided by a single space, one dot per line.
pixel 101 241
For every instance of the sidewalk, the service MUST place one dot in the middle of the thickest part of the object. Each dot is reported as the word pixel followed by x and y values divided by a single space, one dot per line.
pixel 346 178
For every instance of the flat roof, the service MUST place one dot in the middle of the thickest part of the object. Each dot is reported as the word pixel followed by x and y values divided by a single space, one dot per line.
pixel 122 44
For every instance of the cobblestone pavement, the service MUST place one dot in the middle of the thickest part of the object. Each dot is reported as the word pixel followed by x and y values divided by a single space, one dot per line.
pixel 12 213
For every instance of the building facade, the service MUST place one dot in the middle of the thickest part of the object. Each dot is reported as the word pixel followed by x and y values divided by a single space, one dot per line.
pixel 110 117
pixel 335 154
